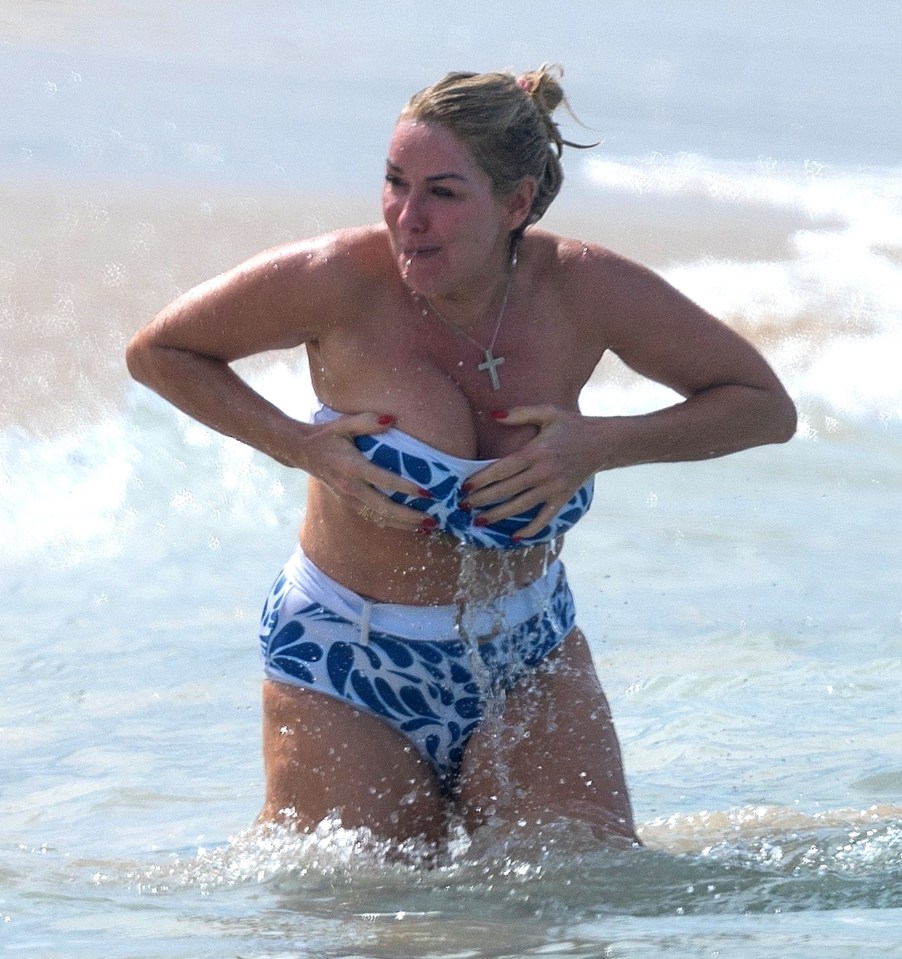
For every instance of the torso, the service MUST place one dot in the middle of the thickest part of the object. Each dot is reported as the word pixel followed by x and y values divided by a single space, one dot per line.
pixel 381 353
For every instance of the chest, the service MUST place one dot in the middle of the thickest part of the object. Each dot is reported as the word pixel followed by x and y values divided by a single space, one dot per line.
pixel 442 384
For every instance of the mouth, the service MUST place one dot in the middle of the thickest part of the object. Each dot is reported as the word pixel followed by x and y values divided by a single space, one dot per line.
pixel 419 253
pixel 410 258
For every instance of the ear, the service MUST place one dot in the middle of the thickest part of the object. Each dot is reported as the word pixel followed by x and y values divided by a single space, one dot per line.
pixel 519 202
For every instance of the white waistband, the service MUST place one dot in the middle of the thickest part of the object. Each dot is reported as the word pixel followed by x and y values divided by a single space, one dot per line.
pixel 452 622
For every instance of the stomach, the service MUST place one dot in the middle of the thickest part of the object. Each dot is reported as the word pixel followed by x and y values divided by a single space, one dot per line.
pixel 391 565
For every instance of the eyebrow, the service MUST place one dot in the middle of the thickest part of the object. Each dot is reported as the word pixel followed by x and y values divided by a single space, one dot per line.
pixel 432 178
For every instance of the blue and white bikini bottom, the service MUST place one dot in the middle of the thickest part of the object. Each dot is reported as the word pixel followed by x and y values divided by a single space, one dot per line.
pixel 431 672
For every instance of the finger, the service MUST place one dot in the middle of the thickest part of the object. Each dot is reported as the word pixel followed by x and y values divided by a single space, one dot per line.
pixel 487 485
pixel 351 426
pixel 381 491
pixel 515 506
pixel 384 512
pixel 539 415
pixel 360 424
pixel 499 496
pixel 388 482
pixel 524 493
pixel 543 517
pixel 511 476
pixel 359 484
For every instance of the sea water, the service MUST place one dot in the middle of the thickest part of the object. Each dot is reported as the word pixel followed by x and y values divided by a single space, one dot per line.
pixel 744 614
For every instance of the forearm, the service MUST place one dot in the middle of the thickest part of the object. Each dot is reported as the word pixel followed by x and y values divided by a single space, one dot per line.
pixel 712 423
pixel 208 390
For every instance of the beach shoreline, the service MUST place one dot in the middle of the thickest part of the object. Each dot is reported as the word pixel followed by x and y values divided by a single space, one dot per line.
pixel 85 262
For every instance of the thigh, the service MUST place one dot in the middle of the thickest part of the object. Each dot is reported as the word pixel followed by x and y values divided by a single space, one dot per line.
pixel 323 756
pixel 552 752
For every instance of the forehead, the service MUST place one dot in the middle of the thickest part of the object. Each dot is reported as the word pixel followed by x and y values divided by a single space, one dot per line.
pixel 427 149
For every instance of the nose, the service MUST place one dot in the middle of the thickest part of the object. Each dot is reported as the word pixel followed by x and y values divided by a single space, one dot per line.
pixel 411 216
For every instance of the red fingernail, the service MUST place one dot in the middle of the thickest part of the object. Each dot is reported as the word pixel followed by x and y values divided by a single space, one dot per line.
pixel 429 523
pixel 465 505
pixel 480 521
pixel 516 538
pixel 425 493
pixel 498 414
pixel 386 420
pixel 466 487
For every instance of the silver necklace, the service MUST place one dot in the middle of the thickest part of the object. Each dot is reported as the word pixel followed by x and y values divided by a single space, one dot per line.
pixel 490 362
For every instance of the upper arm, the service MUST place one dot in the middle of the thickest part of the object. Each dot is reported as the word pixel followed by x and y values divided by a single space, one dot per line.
pixel 663 335
pixel 275 300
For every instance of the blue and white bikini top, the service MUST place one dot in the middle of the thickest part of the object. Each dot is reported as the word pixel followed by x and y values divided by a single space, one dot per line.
pixel 444 475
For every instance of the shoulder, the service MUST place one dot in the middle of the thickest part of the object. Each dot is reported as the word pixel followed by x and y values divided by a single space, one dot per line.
pixel 318 277
pixel 567 261
pixel 608 297
pixel 280 297
pixel 588 280
pixel 342 254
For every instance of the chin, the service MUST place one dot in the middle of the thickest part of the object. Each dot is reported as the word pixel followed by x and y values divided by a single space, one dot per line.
pixel 416 278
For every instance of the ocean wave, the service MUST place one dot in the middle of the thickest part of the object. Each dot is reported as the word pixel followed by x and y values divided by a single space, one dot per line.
pixel 750 860
pixel 822 297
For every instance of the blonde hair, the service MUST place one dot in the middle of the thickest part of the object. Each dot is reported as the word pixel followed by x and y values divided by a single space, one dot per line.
pixel 506 123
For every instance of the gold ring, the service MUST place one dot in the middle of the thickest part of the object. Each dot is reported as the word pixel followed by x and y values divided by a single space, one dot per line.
pixel 369 514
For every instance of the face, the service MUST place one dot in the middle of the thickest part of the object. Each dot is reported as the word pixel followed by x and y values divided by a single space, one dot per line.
pixel 449 231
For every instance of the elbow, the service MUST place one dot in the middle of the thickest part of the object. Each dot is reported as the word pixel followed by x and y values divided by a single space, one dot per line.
pixel 137 359
pixel 133 359
pixel 785 419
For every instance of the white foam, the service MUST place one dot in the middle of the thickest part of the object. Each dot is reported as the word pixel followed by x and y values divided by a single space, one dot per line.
pixel 828 314
pixel 827 307
pixel 60 493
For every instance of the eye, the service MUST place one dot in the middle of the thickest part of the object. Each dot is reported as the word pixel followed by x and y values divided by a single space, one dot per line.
pixel 443 192
pixel 393 180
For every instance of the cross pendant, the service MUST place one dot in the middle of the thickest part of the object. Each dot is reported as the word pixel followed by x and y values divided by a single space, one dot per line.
pixel 489 365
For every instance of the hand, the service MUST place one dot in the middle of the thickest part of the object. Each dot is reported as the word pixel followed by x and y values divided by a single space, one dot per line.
pixel 549 469
pixel 330 455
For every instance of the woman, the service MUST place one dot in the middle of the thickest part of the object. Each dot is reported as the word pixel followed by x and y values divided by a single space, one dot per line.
pixel 420 648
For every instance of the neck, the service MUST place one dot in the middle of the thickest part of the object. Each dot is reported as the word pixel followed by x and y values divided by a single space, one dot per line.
pixel 482 299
